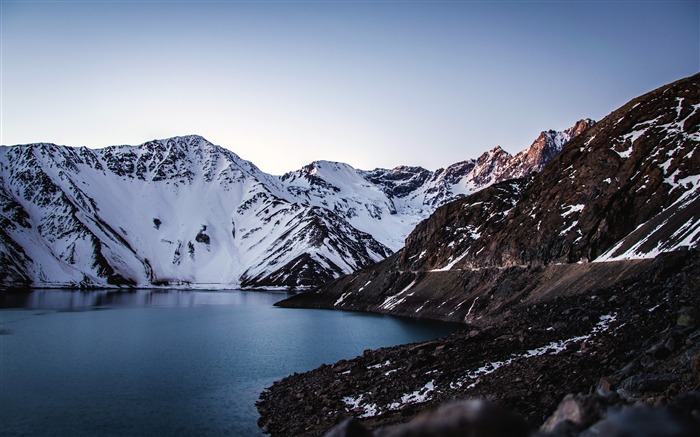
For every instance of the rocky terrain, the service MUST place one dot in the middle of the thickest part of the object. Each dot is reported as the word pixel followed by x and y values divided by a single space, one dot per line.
pixel 579 279
pixel 631 340
pixel 184 212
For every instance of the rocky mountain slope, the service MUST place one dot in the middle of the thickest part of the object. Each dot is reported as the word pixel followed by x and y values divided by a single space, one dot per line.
pixel 627 188
pixel 580 279
pixel 184 212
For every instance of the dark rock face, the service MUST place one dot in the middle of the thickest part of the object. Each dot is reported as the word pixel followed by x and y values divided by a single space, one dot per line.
pixel 455 227
pixel 400 181
pixel 637 167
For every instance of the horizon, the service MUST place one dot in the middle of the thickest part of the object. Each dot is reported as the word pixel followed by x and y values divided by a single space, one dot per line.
pixel 370 84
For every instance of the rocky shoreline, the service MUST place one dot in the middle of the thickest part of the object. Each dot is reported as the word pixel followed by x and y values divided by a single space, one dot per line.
pixel 635 340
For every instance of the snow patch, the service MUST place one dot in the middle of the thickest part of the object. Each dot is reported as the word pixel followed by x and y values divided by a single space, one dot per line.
pixel 451 264
pixel 417 397
pixel 392 301
pixel 368 410
pixel 470 309
pixel 567 230
pixel 552 348
pixel 572 209
pixel 342 298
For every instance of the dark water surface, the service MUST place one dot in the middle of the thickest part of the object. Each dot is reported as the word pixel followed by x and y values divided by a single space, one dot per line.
pixel 147 363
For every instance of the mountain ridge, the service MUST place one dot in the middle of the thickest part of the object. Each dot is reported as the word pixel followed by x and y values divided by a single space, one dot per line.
pixel 185 212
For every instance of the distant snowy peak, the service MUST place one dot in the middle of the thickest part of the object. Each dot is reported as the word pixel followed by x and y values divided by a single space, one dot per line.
pixel 180 211
pixel 322 178
pixel 179 159
pixel 415 186
pixel 332 248
pixel 388 204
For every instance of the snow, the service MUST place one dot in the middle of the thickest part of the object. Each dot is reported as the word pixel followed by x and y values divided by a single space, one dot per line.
pixel 420 308
pixel 686 235
pixel 471 308
pixel 247 217
pixel 567 230
pixel 254 221
pixel 625 154
pixel 551 348
pixel 392 301
pixel 570 209
pixel 634 135
pixel 369 410
pixel 356 404
pixel 353 402
pixel 342 298
pixel 451 263
pixel 419 396
pixel 366 284
pixel 679 107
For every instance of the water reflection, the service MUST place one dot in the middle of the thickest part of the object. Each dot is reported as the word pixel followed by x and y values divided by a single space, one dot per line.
pixel 83 300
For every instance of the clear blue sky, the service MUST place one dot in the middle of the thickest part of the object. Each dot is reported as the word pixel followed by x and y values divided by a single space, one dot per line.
pixel 373 84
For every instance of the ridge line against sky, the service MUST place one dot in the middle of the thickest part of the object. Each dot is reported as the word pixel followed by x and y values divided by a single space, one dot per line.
pixel 372 84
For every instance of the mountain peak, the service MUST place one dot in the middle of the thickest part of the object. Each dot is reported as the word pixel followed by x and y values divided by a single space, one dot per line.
pixel 578 127
pixel 497 151
pixel 189 139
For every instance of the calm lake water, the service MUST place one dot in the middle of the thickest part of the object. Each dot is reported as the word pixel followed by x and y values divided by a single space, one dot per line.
pixel 147 363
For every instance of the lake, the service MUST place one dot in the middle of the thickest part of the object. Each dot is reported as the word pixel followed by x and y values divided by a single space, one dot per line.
pixel 147 363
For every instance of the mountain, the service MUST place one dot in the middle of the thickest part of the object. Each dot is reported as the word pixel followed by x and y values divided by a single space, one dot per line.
pixel 173 212
pixel 389 203
pixel 577 286
pixel 185 212
pixel 626 188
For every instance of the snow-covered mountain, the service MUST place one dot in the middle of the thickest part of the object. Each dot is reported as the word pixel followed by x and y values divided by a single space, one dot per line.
pixel 388 204
pixel 182 211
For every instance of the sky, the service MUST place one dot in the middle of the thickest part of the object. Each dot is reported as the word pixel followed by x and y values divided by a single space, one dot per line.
pixel 369 83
